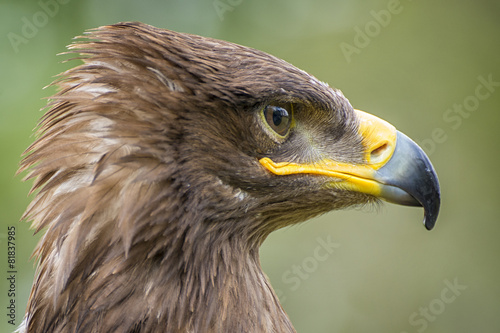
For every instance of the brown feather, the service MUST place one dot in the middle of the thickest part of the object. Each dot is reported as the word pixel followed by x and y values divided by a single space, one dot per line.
pixel 148 185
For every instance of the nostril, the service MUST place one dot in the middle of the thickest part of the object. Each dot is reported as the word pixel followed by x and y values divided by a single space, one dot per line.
pixel 379 153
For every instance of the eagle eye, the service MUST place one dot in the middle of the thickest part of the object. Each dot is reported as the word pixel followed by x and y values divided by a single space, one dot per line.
pixel 278 118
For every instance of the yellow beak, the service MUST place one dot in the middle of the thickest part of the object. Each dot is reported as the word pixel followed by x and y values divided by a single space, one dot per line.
pixel 396 169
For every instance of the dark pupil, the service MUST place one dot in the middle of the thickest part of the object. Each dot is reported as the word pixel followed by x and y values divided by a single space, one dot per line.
pixel 278 118
pixel 278 114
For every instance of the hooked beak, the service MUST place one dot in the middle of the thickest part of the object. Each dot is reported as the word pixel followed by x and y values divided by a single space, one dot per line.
pixel 397 169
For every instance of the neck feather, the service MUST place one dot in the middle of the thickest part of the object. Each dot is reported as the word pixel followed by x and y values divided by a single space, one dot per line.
pixel 186 275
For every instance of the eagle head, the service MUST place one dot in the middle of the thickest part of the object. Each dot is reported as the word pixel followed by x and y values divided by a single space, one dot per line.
pixel 164 161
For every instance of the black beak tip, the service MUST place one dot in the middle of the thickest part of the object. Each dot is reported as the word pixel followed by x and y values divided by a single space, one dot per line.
pixel 412 180
pixel 426 191
pixel 430 217
pixel 431 207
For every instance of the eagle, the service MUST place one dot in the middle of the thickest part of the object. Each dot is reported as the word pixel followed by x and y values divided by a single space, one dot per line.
pixel 163 162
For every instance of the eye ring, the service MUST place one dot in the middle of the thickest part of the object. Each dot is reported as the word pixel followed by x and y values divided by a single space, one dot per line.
pixel 278 118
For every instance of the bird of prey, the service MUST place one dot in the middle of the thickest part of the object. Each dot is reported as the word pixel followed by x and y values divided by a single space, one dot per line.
pixel 166 159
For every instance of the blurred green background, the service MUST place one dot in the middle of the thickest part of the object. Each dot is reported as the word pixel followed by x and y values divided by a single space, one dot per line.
pixel 422 65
